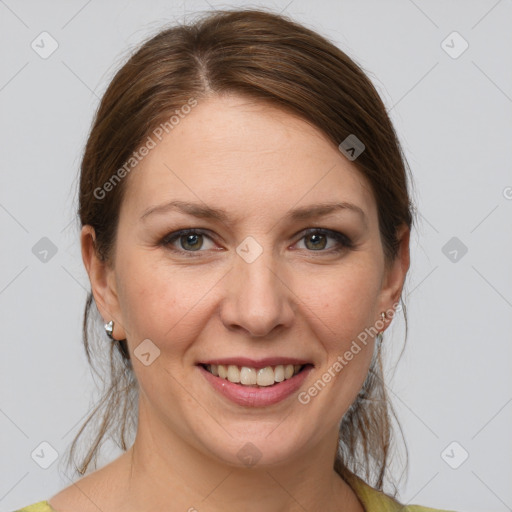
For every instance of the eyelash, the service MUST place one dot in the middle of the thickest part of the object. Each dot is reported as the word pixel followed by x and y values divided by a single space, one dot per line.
pixel 343 241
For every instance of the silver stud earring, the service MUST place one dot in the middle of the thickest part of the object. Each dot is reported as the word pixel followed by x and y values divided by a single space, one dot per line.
pixel 109 329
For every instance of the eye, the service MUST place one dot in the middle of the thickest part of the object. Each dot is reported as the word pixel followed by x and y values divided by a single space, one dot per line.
pixel 190 240
pixel 316 240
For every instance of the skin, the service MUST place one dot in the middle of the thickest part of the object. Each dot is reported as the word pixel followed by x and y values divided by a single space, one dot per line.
pixel 257 163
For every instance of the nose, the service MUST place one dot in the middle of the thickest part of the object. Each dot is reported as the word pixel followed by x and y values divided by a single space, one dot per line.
pixel 258 299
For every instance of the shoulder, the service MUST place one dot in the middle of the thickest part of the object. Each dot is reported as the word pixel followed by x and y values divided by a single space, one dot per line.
pixel 103 489
pixel 374 500
pixel 40 506
pixel 419 508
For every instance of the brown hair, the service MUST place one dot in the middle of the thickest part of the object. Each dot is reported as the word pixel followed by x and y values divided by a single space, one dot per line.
pixel 273 59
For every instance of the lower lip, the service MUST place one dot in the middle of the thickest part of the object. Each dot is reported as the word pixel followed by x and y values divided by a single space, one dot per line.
pixel 253 396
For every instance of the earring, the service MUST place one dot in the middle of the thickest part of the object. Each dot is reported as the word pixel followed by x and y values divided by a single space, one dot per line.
pixel 109 329
pixel 380 333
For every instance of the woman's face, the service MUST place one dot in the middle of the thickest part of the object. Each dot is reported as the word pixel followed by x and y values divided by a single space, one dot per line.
pixel 250 283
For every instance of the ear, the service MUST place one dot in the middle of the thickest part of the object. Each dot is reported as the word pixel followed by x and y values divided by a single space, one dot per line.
pixel 395 273
pixel 103 284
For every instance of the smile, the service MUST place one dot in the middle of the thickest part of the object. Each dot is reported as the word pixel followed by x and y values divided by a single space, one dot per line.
pixel 277 383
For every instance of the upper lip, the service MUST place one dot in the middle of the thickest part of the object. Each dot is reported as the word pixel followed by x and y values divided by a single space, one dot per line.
pixel 255 363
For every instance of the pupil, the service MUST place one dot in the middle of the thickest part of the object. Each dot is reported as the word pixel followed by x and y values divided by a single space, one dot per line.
pixel 316 237
pixel 190 238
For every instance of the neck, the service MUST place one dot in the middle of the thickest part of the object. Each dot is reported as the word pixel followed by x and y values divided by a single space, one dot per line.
pixel 163 471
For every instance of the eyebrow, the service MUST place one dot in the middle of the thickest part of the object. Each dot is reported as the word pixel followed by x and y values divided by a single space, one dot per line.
pixel 205 212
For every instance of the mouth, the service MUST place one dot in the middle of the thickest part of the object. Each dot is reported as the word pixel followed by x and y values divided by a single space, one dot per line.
pixel 264 384
pixel 253 376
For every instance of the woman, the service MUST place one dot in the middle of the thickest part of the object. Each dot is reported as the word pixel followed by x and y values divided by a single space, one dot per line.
pixel 245 228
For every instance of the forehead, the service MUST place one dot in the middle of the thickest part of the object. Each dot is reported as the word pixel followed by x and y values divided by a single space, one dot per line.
pixel 241 154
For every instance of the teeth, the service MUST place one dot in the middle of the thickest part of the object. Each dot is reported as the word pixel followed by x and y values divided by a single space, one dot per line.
pixel 279 373
pixel 222 370
pixel 251 377
pixel 233 375
pixel 248 376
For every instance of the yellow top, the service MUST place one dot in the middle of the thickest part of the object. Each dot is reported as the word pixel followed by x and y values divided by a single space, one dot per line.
pixel 377 501
pixel 372 500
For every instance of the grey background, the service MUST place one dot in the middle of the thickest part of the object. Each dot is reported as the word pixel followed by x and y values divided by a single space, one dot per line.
pixel 453 116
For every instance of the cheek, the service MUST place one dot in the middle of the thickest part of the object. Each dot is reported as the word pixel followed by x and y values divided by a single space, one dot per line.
pixel 344 301
pixel 339 324
pixel 162 302
pixel 342 315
